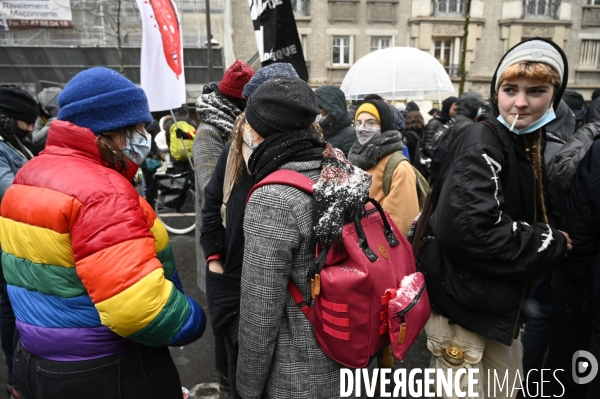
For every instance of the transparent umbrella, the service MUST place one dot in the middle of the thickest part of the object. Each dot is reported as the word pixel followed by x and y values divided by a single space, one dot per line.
pixel 396 73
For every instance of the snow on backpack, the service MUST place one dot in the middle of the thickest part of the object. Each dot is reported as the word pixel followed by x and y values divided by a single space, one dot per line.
pixel 350 287
pixel 176 148
pixel 408 312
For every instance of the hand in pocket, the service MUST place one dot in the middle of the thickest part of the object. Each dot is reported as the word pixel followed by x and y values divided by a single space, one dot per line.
pixel 215 266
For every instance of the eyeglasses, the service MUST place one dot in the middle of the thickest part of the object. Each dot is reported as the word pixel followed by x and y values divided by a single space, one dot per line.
pixel 370 124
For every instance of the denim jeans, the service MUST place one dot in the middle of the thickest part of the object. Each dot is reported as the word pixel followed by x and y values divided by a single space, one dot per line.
pixel 537 328
pixel 141 373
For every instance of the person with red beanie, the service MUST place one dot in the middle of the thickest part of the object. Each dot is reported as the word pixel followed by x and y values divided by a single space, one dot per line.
pixel 235 79
pixel 217 108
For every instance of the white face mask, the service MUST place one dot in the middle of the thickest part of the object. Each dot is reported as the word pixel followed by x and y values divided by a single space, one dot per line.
pixel 548 117
pixel 248 140
pixel 321 119
pixel 138 147
pixel 251 140
pixel 363 134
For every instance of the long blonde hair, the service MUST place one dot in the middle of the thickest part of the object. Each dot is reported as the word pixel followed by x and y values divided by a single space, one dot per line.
pixel 235 159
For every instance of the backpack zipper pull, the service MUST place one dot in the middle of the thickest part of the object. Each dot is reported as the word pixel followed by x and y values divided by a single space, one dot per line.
pixel 402 334
pixel 315 286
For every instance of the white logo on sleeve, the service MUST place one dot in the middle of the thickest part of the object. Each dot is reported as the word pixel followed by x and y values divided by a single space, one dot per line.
pixel 495 168
pixel 547 239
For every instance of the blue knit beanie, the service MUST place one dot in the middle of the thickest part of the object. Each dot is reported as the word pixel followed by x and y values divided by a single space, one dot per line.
pixel 102 100
pixel 266 73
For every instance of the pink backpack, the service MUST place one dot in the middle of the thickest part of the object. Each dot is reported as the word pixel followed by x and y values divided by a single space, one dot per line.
pixel 350 309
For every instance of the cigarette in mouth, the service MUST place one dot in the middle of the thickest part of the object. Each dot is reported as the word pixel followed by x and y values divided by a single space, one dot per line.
pixel 514 122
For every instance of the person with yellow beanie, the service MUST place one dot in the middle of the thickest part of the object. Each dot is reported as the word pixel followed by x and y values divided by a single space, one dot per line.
pixel 376 143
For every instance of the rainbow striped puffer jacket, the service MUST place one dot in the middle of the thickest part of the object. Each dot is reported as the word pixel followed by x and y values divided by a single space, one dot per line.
pixel 89 267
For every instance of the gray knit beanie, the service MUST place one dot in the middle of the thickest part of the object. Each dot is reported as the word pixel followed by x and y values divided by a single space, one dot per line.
pixel 282 104
pixel 532 51
pixel 266 73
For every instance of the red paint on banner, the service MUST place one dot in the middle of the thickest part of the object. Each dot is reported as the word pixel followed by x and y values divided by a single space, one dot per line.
pixel 168 25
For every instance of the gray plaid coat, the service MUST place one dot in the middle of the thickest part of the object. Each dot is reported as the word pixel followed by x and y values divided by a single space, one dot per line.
pixel 278 354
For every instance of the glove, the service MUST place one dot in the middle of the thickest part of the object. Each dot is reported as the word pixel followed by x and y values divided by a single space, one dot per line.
pixel 181 134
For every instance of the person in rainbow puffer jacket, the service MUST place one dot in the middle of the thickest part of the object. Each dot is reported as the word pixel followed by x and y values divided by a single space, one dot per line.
pixel 90 270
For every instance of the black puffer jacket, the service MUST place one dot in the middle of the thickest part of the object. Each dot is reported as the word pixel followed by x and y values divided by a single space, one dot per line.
pixel 467 109
pixel 433 126
pixel 580 219
pixel 564 125
pixel 556 130
pixel 337 129
pixel 439 120
pixel 485 245
pixel 569 156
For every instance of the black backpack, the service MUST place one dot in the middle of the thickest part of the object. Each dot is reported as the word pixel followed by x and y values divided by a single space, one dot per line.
pixel 418 160
pixel 440 146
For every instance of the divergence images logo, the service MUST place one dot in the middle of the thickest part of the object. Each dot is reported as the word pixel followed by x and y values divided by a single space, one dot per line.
pixel 584 366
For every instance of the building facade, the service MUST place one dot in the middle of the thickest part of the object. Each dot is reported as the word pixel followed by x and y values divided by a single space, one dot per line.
pixel 336 33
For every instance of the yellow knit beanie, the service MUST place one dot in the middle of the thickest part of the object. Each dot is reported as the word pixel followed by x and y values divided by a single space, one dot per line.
pixel 370 108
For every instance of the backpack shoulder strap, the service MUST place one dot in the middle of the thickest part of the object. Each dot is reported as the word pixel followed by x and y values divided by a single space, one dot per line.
pixel 298 298
pixel 413 134
pixel 422 188
pixel 288 178
pixel 301 182
pixel 388 172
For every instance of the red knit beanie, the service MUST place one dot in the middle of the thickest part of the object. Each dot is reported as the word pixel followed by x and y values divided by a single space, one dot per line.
pixel 235 79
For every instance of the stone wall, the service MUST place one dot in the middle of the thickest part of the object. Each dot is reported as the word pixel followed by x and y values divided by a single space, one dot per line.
pixel 495 26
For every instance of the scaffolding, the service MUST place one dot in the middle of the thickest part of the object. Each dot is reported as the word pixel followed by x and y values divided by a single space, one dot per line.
pixel 95 21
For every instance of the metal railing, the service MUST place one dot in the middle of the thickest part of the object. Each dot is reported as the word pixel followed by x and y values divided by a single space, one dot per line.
pixel 453 70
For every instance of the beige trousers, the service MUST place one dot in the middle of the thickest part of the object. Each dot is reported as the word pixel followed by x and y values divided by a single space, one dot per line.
pixel 500 362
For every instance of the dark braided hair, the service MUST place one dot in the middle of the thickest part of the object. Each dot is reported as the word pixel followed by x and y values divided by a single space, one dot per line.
pixel 534 153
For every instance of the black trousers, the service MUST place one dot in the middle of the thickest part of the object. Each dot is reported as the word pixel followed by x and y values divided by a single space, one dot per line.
pixel 570 329
pixel 141 373
pixel 232 355
pixel 151 187
pixel 593 388
pixel 9 335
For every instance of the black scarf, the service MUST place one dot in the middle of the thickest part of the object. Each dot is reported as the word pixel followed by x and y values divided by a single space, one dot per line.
pixel 366 156
pixel 10 132
pixel 280 148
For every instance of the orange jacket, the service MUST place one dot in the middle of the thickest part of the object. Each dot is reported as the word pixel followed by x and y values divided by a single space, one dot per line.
pixel 402 203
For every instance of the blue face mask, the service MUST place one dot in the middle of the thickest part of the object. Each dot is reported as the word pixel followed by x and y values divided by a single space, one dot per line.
pixel 548 117
pixel 138 147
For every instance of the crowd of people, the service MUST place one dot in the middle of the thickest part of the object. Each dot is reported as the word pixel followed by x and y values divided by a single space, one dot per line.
pixel 499 198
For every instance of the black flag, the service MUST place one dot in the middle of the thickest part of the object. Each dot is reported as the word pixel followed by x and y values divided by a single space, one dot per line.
pixel 276 34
